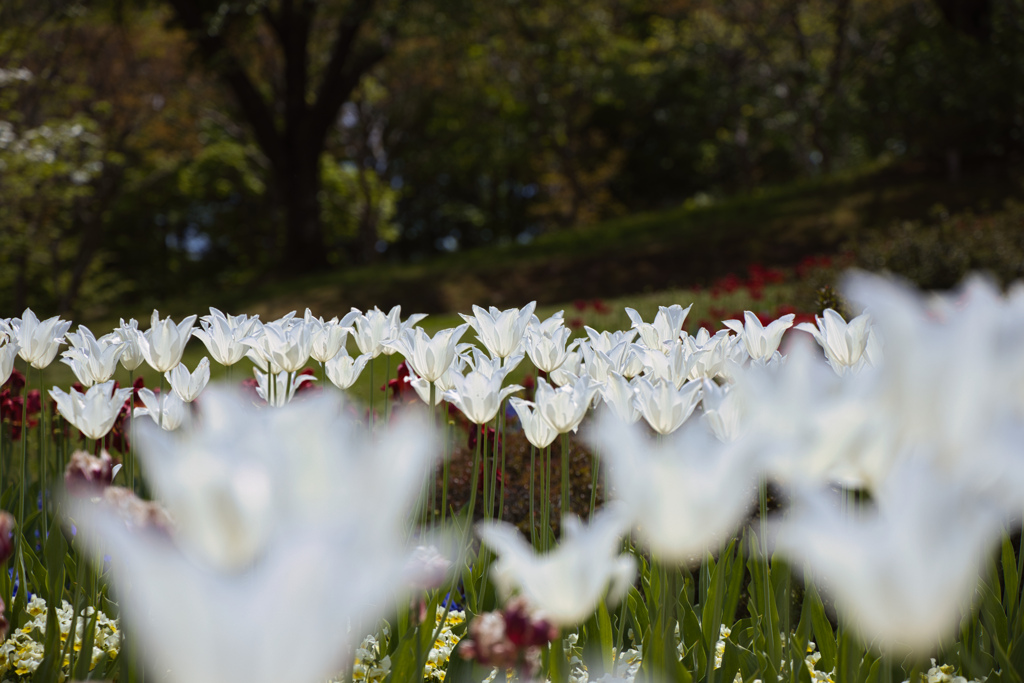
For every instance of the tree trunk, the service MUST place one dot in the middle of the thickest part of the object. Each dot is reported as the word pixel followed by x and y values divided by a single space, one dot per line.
pixel 305 248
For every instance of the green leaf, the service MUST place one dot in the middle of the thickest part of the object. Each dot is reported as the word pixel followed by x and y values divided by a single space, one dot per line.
pixel 823 634
pixel 639 613
pixel 84 663
pixel 1010 577
pixel 605 636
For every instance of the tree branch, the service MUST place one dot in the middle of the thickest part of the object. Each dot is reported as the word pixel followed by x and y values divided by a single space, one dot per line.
pixel 218 57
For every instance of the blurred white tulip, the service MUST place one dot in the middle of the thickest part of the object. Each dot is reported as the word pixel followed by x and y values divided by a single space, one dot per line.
pixel 270 528
pixel 567 583
pixel 903 573
pixel 686 494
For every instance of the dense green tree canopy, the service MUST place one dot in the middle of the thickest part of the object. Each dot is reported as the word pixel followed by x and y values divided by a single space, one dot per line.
pixel 143 145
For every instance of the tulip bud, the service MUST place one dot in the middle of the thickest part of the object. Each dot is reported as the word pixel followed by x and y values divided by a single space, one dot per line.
pixel 135 512
pixel 6 547
pixel 88 475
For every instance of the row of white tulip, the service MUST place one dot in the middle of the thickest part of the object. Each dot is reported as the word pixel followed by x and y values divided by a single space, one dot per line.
pixel 925 414
pixel 659 377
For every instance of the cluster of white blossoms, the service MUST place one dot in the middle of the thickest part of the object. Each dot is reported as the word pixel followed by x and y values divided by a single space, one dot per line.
pixel 437 659
pixel 370 664
pixel 22 652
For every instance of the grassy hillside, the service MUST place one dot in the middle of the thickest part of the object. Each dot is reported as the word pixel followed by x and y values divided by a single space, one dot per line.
pixel 688 246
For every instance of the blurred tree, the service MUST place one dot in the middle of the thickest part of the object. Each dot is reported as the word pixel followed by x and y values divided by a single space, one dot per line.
pixel 291 65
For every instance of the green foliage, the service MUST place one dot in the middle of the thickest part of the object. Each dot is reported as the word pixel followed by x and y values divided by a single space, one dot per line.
pixel 940 254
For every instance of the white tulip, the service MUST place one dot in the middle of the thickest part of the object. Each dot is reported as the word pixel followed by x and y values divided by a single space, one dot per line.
pixel 343 370
pixel 39 341
pixel 620 396
pixel 501 331
pixel 844 343
pixel 565 407
pixel 188 385
pixel 429 358
pixel 92 360
pixel 329 337
pixel 537 430
pixel 606 341
pixel 760 342
pixel 671 362
pixel 128 334
pixel 94 412
pixel 283 347
pixel 8 352
pixel 547 351
pixel 567 583
pixel 479 395
pixel 223 334
pixel 664 406
pixel 167 410
pixel 164 342
pixel 278 388
pixel 666 328
pixel 569 371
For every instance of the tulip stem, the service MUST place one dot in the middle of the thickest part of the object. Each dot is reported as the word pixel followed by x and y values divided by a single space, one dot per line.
pixel 446 471
pixel 481 438
pixel 130 460
pixel 501 421
pixel 565 506
pixel 371 364
pixel 387 399
pixel 533 520
pixel 43 441
pixel 545 521
pixel 762 491
pixel 433 426
pixel 473 483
